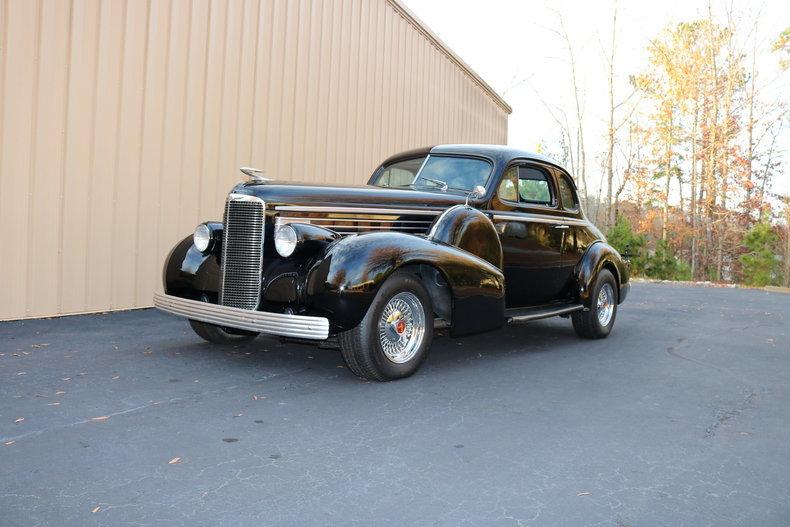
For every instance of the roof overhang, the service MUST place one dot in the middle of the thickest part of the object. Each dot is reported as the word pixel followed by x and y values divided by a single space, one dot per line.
pixel 431 36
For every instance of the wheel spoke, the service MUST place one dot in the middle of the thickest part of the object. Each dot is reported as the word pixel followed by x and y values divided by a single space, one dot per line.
pixel 402 327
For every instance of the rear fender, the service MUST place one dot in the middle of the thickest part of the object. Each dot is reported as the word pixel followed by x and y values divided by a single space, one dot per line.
pixel 342 284
pixel 598 256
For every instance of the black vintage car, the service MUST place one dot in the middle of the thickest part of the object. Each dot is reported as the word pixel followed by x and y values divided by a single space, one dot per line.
pixel 468 236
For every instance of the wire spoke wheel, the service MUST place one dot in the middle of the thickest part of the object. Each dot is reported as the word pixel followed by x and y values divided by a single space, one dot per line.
pixel 401 327
pixel 605 304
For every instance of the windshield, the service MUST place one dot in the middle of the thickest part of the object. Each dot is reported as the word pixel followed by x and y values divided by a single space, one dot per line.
pixel 438 173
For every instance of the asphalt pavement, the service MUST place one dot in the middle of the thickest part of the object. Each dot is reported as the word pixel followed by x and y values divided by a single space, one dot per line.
pixel 680 417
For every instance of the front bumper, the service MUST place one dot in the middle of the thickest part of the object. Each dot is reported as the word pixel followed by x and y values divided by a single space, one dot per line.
pixel 299 326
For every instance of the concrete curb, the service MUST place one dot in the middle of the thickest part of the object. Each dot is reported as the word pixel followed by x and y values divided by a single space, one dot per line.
pixel 722 285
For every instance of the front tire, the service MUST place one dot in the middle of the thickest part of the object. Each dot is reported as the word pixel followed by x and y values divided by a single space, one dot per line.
pixel 219 335
pixel 394 337
pixel 597 322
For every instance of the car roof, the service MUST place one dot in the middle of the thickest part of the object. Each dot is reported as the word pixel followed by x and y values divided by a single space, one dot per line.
pixel 499 153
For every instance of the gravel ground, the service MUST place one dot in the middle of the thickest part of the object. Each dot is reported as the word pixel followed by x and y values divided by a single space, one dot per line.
pixel 680 417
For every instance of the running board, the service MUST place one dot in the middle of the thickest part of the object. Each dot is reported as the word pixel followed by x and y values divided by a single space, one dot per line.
pixel 536 313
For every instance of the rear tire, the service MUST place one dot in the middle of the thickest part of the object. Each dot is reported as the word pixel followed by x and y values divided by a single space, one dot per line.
pixel 597 322
pixel 394 337
pixel 219 335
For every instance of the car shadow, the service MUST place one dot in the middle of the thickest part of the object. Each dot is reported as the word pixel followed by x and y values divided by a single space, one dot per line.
pixel 269 356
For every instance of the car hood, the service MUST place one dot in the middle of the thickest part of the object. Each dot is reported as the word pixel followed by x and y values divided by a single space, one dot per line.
pixel 296 193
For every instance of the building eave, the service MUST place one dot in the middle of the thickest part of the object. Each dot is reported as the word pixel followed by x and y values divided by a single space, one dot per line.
pixel 406 13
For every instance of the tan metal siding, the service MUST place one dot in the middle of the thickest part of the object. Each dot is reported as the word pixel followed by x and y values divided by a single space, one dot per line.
pixel 123 123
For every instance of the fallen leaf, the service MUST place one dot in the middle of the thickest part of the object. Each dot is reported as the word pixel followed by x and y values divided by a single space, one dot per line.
pixel 100 418
pixel 147 352
pixel 116 377
pixel 59 392
pixel 21 373
pixel 8 443
pixel 65 379
pixel 174 461
pixel 96 509
pixel 584 494
pixel 254 397
pixel 19 419
pixel 53 403
pixel 237 415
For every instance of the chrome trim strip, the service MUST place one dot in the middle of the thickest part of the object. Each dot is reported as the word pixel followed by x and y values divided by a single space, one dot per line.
pixel 539 219
pixel 367 210
pixel 294 219
pixel 315 328
pixel 370 227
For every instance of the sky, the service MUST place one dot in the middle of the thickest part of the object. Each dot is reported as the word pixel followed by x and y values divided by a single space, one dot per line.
pixel 512 45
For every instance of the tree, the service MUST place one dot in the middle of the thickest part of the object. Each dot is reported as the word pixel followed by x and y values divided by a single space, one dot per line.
pixel 663 265
pixel 782 46
pixel 631 245
pixel 760 263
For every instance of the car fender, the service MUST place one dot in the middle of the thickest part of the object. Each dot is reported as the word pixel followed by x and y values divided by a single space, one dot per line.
pixel 600 255
pixel 344 281
pixel 469 229
pixel 189 273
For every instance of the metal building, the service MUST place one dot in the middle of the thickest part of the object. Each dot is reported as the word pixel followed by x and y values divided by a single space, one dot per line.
pixel 123 123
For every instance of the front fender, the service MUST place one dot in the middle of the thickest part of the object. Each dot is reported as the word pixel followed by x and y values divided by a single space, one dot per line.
pixel 343 283
pixel 189 273
pixel 598 256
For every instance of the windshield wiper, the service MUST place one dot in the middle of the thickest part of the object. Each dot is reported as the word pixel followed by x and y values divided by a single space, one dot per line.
pixel 438 182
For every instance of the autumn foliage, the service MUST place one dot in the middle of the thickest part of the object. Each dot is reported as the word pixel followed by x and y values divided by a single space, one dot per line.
pixel 693 159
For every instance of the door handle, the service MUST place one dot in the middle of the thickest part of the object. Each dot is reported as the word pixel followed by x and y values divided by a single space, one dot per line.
pixel 561 226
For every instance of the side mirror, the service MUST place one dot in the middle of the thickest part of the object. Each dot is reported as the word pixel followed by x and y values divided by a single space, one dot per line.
pixel 478 192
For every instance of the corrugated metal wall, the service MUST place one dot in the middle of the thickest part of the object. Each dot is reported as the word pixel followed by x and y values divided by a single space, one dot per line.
pixel 123 122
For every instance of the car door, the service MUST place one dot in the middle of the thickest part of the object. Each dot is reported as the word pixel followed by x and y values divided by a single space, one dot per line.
pixel 573 245
pixel 529 226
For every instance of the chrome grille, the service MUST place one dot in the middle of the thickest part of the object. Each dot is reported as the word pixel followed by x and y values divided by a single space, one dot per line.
pixel 242 252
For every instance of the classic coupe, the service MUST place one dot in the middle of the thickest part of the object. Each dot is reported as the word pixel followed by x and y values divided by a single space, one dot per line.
pixel 464 237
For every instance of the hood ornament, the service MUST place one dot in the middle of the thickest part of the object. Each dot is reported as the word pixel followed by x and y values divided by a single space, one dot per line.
pixel 256 174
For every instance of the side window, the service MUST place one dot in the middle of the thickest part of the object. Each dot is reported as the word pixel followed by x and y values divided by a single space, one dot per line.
pixel 507 187
pixel 534 186
pixel 567 194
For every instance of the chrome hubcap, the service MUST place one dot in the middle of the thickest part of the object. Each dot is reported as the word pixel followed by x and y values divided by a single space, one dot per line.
pixel 605 304
pixel 402 327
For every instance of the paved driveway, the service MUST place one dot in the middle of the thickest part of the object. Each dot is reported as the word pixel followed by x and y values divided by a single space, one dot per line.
pixel 681 417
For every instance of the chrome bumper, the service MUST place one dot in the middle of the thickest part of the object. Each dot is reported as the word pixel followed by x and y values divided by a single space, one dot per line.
pixel 316 328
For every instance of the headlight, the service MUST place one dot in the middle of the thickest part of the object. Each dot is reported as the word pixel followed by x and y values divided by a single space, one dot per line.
pixel 202 237
pixel 285 240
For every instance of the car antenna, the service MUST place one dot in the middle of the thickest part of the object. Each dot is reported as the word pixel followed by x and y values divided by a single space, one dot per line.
pixel 256 174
